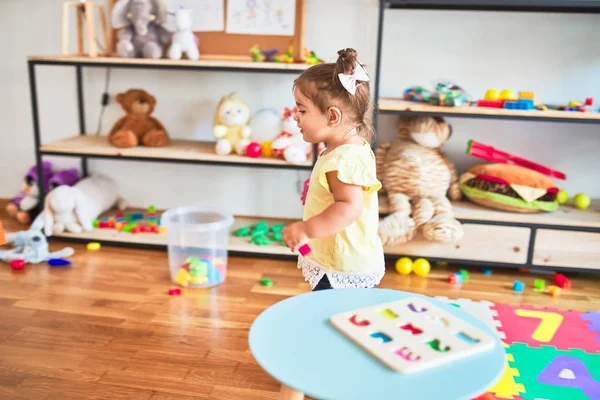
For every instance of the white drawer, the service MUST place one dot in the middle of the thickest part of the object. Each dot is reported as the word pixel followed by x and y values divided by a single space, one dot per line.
pixel 492 243
pixel 567 249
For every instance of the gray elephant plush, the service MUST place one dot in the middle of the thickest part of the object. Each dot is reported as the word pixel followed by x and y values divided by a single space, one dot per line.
pixel 142 28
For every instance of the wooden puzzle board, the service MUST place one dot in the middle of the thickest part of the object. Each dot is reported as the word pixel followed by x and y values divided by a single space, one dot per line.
pixel 412 335
pixel 224 46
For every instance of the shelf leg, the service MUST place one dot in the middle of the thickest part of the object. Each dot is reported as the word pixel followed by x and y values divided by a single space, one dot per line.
pixel 382 7
pixel 82 130
pixel 36 126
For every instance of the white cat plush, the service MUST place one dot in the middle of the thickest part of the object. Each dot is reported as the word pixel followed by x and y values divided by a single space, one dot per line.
pixel 290 144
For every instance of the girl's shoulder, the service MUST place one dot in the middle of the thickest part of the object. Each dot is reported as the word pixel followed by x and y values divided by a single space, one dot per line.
pixel 354 163
pixel 360 152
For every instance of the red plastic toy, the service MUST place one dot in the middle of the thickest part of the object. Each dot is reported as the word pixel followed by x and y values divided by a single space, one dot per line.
pixel 305 249
pixel 492 154
pixel 254 150
pixel 562 281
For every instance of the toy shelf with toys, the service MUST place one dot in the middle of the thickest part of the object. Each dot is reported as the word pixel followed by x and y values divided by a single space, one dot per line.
pixel 404 107
pixel 133 227
pixel 206 63
pixel 178 151
pixel 503 223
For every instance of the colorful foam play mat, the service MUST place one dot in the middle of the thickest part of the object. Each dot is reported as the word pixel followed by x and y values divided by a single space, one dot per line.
pixel 551 354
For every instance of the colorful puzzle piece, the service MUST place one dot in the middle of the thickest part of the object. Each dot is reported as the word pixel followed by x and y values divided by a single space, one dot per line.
pixel 507 388
pixel 547 373
pixel 479 309
pixel 412 335
pixel 544 326
pixel 593 318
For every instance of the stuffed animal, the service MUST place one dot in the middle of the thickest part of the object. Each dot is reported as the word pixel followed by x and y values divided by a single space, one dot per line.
pixel 26 206
pixel 141 24
pixel 230 125
pixel 137 127
pixel 289 144
pixel 32 247
pixel 418 179
pixel 183 40
pixel 74 208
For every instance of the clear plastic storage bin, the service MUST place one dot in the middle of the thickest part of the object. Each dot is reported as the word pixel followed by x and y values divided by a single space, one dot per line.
pixel 197 242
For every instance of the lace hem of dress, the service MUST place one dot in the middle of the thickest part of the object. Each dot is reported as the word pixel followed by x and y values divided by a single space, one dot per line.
pixel 313 273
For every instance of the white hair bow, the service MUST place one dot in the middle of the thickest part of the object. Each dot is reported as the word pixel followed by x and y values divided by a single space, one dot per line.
pixel 349 80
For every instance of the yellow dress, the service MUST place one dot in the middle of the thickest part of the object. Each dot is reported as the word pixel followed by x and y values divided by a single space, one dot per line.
pixel 353 257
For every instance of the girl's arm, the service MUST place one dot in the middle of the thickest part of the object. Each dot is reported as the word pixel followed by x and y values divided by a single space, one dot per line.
pixel 347 208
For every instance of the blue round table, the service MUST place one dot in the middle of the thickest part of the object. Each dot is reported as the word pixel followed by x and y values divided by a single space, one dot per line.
pixel 294 342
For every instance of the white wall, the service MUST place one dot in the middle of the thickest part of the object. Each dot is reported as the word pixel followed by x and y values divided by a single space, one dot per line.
pixel 557 56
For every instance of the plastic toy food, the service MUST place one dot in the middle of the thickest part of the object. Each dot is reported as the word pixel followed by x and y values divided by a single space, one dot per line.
pixel 510 188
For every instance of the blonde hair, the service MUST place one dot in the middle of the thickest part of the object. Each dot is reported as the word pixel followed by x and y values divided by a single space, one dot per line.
pixel 321 84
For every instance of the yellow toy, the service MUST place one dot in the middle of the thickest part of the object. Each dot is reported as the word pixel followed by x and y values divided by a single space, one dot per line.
pixel 230 125
pixel 421 267
pixel 404 266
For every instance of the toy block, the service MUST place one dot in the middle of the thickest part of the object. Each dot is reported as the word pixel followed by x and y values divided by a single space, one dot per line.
pixel 198 280
pixel 182 277
pixel 539 284
pixel 162 230
pixel 490 103
pixel 554 290
pixel 2 234
pixel 487 271
pixel 119 226
pixel 120 214
pixel 561 281
pixel 454 278
pixel 96 223
pixel 519 105
pixel 527 95
pixel 518 286
pixel 464 274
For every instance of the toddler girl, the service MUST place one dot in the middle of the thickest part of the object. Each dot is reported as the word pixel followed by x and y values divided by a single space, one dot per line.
pixel 341 211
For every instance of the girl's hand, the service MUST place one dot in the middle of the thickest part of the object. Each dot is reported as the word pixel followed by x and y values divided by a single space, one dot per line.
pixel 294 235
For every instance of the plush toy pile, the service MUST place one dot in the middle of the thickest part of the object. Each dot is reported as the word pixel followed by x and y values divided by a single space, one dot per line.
pixel 25 206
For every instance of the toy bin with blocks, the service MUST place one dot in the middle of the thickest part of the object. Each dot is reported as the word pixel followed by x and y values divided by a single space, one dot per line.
pixel 197 246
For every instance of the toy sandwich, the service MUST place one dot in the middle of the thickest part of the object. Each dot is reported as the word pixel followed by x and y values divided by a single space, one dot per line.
pixel 509 183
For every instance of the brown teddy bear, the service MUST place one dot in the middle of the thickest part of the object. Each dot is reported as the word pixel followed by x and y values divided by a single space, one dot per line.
pixel 137 127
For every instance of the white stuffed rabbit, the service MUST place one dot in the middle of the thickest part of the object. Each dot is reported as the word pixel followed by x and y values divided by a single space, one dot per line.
pixel 183 40
pixel 74 208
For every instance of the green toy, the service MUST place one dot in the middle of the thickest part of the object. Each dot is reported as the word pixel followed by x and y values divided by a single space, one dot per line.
pixel 261 234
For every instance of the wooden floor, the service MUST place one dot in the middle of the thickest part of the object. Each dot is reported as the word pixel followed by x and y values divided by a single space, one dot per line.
pixel 106 328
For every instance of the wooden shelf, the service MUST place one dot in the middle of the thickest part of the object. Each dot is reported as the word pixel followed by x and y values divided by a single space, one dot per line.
pixel 565 216
pixel 237 245
pixel 205 63
pixel 178 151
pixel 399 106
pixel 503 242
